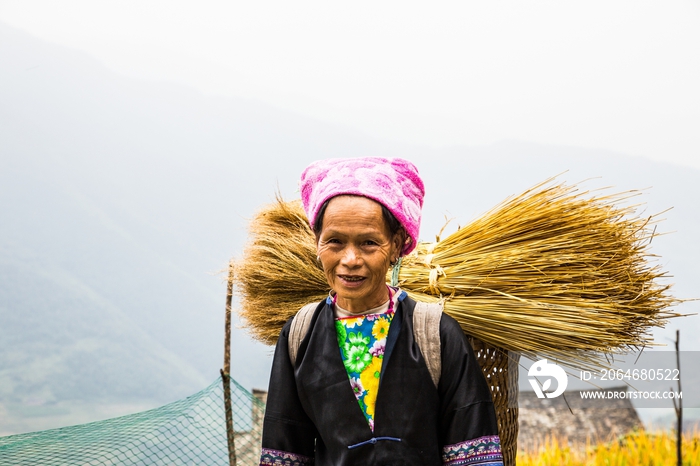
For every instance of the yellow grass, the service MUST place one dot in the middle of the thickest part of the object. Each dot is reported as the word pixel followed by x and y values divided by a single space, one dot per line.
pixel 636 449
pixel 553 273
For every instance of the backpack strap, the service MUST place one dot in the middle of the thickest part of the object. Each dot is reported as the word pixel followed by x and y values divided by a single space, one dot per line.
pixel 426 331
pixel 297 332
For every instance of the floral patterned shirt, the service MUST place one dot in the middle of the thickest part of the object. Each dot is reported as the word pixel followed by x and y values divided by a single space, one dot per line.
pixel 362 341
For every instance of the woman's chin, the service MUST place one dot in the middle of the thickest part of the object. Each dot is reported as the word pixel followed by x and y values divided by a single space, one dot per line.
pixel 351 294
pixel 360 292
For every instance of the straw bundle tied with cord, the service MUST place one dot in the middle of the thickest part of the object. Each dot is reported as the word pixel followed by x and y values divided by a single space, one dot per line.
pixel 552 273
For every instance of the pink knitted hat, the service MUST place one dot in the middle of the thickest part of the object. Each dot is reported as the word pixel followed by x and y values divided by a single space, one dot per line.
pixel 395 183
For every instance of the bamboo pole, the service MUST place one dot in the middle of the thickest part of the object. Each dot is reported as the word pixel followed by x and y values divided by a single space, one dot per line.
pixel 226 372
pixel 679 406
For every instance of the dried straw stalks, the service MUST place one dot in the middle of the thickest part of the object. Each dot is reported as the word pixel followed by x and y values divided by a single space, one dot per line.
pixel 552 273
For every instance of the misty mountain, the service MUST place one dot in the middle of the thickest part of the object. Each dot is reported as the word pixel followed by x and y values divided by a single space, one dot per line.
pixel 121 202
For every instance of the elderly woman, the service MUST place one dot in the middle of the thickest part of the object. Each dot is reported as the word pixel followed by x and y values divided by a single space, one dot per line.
pixel 356 389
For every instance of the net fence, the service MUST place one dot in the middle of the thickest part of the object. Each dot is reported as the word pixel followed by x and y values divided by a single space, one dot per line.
pixel 188 432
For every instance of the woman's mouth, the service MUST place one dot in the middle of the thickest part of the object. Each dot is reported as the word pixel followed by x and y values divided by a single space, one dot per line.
pixel 350 280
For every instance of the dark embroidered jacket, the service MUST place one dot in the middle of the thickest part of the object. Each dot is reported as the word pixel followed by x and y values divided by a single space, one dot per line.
pixel 313 417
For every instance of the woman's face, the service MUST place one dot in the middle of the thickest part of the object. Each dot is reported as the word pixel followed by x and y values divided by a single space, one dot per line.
pixel 355 248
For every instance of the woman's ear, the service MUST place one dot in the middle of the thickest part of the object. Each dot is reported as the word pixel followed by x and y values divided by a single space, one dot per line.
pixel 318 258
pixel 398 242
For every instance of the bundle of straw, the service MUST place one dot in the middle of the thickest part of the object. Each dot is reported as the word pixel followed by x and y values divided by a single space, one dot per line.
pixel 552 273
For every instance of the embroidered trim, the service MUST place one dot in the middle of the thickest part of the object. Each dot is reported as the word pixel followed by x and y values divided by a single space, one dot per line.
pixel 270 457
pixel 482 451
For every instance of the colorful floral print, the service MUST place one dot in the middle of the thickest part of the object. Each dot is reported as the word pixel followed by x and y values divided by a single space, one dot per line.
pixel 380 329
pixel 362 341
pixel 377 348
pixel 357 357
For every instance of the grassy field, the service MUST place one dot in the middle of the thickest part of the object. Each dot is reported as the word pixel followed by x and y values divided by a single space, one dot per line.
pixel 639 448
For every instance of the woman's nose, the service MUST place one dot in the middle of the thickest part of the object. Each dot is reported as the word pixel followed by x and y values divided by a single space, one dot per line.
pixel 351 257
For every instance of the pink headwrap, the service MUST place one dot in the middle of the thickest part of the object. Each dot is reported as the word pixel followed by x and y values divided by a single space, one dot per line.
pixel 395 183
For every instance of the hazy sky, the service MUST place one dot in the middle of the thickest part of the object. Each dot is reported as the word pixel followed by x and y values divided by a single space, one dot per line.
pixel 620 75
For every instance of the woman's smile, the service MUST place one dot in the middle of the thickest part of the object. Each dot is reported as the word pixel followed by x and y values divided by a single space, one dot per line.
pixel 352 280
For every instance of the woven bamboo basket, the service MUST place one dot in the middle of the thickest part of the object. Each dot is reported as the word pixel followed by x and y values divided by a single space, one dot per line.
pixel 500 368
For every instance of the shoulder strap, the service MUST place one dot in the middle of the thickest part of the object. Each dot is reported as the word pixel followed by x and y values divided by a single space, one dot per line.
pixel 297 332
pixel 426 331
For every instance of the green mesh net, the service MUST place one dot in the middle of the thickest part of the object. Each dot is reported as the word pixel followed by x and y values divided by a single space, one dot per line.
pixel 187 432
